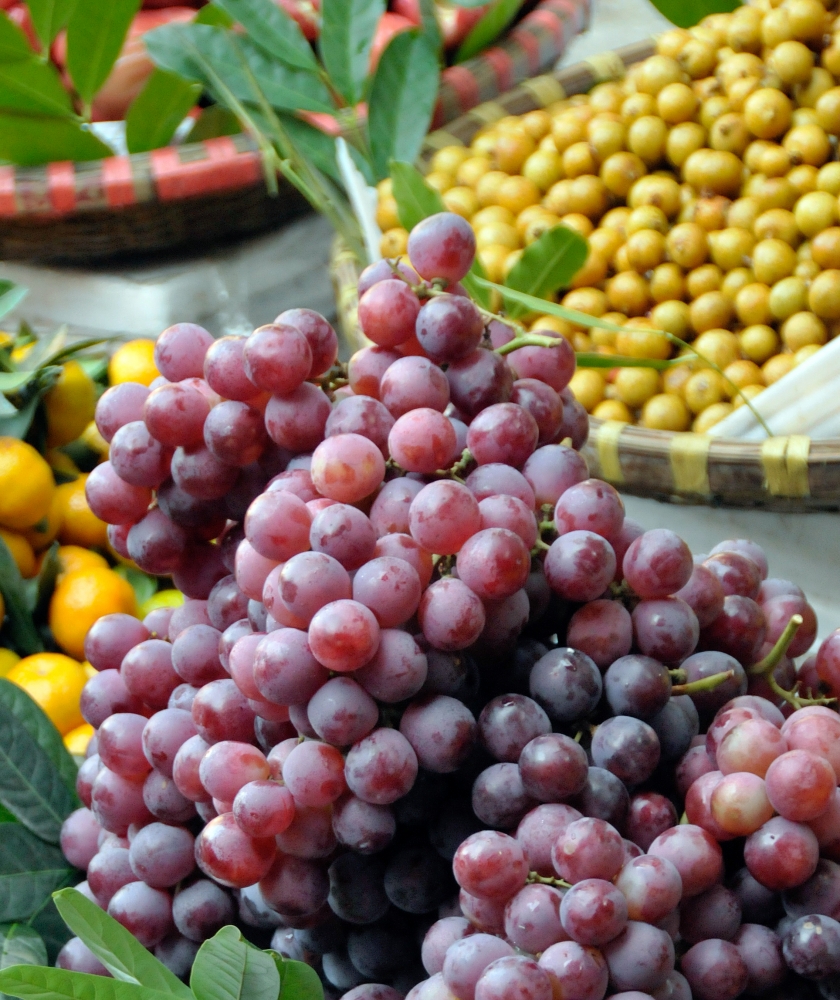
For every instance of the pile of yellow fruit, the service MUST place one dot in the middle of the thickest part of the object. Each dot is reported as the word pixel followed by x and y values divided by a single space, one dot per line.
pixel 35 512
pixel 706 182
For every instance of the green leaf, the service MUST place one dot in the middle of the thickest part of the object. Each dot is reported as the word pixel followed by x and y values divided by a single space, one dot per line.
pixel 6 816
pixel 272 29
pixel 196 51
pixel 115 947
pixel 31 786
pixel 402 99
pixel 29 871
pixel 158 110
pixel 30 715
pixel 347 30
pixel 37 983
pixel 33 87
pixel 95 35
pixel 549 263
pixel 49 17
pixel 285 87
pixel 44 587
pixel 587 360
pixel 11 295
pixel 20 945
pixel 31 141
pixel 54 932
pixel 315 145
pixel 415 199
pixel 213 122
pixel 213 14
pixel 533 304
pixel 10 381
pixel 687 13
pixel 430 25
pixel 300 982
pixel 17 425
pixel 227 968
pixel 477 292
pixel 488 29
pixel 22 631
pixel 14 45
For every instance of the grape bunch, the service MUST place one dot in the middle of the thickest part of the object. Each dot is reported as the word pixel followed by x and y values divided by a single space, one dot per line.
pixel 433 707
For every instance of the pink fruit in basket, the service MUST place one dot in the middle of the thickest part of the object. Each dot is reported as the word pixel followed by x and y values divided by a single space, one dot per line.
pixel 457 22
pixel 389 26
pixel 18 14
pixel 409 9
pixel 305 13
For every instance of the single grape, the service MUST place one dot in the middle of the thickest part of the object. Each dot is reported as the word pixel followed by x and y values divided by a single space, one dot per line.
pixel 603 630
pixel 347 467
pixel 694 853
pixel 658 563
pixel 637 685
pixel 481 379
pixel 499 798
pixel 201 909
pixel 221 712
pixel 566 683
pixel 388 312
pixel 443 516
pixel 575 970
pixel 652 887
pixel 666 629
pixel 397 671
pixel 321 337
pixel 162 855
pixel 343 635
pixel 782 854
pixel 180 351
pixel 579 566
pixel 382 767
pixel 649 815
pixel 451 615
pixel 441 730
pixel 449 328
pixel 224 853
pixel 364 827
pixel 118 406
pixel 144 911
pixel 390 588
pixel 504 432
pixel 604 796
pixel 761 951
pixel 294 886
pixel 715 913
pixel 297 421
pixel 511 977
pixel 593 912
pixel 442 246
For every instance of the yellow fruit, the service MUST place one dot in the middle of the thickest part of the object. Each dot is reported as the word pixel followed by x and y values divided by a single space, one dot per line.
pixel 77 739
pixel 92 439
pixel 135 361
pixel 666 412
pixel 26 485
pixel 79 525
pixel 73 557
pixel 587 385
pixel 54 682
pixel 710 416
pixel 82 597
pixel 613 409
pixel 46 531
pixel 8 658
pixel 162 599
pixel 21 552
pixel 69 405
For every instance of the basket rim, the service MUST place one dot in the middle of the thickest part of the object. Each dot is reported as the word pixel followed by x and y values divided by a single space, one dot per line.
pixel 229 163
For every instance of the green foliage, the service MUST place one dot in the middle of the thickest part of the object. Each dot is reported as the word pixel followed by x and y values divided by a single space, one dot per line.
pixel 29 871
pixel 347 30
pixel 415 199
pixel 272 30
pixel 226 967
pixel 548 264
pixel 687 13
pixel 158 110
pixel 17 702
pixel 491 25
pixel 95 35
pixel 401 99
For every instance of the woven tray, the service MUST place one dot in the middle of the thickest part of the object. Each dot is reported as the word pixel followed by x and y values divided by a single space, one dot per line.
pixel 179 198
pixel 785 474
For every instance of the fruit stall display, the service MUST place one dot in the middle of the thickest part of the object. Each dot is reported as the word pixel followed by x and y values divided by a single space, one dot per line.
pixel 705 180
pixel 141 131
pixel 436 719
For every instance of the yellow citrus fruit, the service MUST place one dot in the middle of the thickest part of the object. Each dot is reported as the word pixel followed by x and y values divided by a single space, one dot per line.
pixel 92 439
pixel 82 597
pixel 21 552
pixel 55 682
pixel 8 658
pixel 69 405
pixel 79 525
pixel 45 532
pixel 133 362
pixel 74 557
pixel 26 484
pixel 77 739
pixel 162 599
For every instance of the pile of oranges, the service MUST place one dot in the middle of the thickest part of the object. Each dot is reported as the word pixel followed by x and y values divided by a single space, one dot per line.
pixel 35 512
pixel 706 182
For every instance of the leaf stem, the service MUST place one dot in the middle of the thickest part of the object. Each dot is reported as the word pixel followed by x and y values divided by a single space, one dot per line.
pixel 534 878
pixel 527 340
pixel 769 663
pixel 703 684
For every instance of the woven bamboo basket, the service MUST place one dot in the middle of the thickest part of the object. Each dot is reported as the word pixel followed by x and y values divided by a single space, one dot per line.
pixel 783 474
pixel 190 197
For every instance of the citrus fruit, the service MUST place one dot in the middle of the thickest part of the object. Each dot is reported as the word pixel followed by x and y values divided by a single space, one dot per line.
pixel 133 362
pixel 45 532
pixel 162 599
pixel 26 484
pixel 77 739
pixel 82 597
pixel 21 551
pixel 74 557
pixel 8 658
pixel 79 525
pixel 69 405
pixel 55 682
